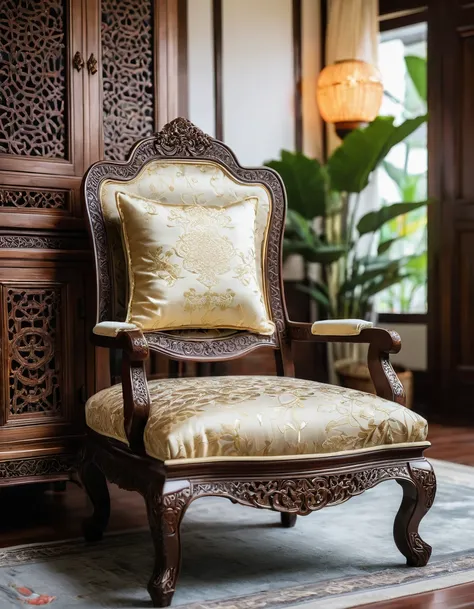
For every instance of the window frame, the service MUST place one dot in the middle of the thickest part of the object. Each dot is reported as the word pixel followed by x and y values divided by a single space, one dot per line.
pixel 394 14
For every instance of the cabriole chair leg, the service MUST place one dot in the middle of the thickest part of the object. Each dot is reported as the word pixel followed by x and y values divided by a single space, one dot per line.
pixel 418 496
pixel 95 484
pixel 164 516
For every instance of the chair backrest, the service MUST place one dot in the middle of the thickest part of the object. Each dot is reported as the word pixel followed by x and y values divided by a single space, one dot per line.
pixel 182 164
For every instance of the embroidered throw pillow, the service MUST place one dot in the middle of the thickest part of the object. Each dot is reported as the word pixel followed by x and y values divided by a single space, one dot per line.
pixel 192 266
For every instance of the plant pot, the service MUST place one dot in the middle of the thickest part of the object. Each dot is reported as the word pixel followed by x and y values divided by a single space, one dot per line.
pixel 355 375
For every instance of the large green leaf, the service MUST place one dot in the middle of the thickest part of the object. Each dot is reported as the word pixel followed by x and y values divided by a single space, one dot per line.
pixel 375 269
pixel 318 292
pixel 362 151
pixel 408 184
pixel 386 267
pixel 375 219
pixel 298 226
pixel 417 70
pixel 314 252
pixel 402 131
pixel 395 173
pixel 384 246
pixel 418 264
pixel 305 183
pixel 383 283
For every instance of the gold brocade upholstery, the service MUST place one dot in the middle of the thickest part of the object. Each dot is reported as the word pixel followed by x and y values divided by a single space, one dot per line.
pixel 257 416
pixel 192 266
pixel 178 183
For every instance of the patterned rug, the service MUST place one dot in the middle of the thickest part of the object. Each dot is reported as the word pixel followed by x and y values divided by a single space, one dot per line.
pixel 240 558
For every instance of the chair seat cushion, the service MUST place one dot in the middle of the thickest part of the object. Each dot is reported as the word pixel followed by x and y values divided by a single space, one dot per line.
pixel 211 418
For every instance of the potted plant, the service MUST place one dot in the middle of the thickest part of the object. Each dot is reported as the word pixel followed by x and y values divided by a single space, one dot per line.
pixel 353 249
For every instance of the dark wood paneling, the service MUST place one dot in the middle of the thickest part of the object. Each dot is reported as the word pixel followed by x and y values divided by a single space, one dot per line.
pixel 397 6
pixel 218 92
pixel 465 118
pixel 465 304
pixel 183 58
pixel 48 136
pixel 451 218
pixel 41 130
pixel 298 73
pixel 402 318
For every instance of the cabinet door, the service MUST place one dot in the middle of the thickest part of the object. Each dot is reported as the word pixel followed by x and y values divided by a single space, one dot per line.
pixel 41 93
pixel 451 228
pixel 43 336
pixel 135 87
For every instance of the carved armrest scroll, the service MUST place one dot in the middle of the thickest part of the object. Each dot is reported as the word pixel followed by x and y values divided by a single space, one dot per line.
pixel 381 343
pixel 136 397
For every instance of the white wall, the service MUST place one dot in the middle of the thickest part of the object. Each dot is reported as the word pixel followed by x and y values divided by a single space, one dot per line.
pixel 258 83
pixel 413 354
pixel 258 78
pixel 201 65
pixel 311 66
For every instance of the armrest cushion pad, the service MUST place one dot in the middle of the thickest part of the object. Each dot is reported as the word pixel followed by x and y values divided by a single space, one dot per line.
pixel 112 328
pixel 340 327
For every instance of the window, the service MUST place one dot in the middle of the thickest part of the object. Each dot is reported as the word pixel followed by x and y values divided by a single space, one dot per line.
pixel 403 176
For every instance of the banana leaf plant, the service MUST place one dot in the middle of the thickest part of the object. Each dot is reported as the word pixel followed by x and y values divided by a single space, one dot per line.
pixel 324 226
pixel 408 233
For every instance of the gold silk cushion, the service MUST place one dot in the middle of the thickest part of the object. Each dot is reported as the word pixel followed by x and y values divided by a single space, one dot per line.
pixel 176 183
pixel 192 266
pixel 255 417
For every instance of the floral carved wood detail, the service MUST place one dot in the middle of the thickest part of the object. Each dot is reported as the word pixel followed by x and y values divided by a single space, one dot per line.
pixel 33 321
pixel 41 466
pixel 301 495
pixel 40 242
pixel 395 383
pixel 33 75
pixel 127 72
pixel 33 199
pixel 427 480
pixel 421 549
pixel 140 394
pixel 181 137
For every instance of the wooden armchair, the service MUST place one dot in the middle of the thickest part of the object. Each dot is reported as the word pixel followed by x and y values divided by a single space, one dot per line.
pixel 294 446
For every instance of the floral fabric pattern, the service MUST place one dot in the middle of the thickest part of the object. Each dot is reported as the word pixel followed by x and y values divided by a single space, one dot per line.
pixel 196 183
pixel 185 266
pixel 257 416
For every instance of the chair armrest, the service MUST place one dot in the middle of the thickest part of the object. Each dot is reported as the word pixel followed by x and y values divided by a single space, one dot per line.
pixel 337 331
pixel 121 335
pixel 340 327
pixel 381 343
pixel 112 328
pixel 136 396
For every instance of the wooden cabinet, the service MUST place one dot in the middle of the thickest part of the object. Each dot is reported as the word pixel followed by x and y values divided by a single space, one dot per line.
pixel 451 215
pixel 81 80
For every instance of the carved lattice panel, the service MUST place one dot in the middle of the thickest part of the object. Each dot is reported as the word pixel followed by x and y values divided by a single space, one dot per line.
pixel 33 78
pixel 33 199
pixel 33 322
pixel 127 73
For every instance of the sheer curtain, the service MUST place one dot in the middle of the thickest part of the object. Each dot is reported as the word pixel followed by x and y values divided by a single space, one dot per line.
pixel 352 33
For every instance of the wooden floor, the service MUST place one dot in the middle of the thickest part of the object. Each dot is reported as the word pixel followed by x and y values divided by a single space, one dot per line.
pixel 29 515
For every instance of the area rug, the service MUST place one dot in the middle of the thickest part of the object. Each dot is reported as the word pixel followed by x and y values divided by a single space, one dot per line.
pixel 240 558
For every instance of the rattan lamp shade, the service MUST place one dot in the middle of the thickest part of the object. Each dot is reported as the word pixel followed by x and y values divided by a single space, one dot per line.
pixel 349 94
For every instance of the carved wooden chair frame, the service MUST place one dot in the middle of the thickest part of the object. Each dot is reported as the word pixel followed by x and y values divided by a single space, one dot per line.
pixel 291 486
